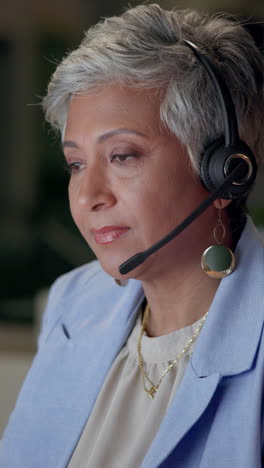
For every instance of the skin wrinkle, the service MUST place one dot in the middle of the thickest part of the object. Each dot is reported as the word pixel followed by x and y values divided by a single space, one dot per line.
pixel 149 193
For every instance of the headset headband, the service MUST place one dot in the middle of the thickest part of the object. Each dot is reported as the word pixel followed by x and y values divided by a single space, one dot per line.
pixel 226 101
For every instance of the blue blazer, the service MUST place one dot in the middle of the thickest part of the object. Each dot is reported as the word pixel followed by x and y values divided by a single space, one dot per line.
pixel 216 417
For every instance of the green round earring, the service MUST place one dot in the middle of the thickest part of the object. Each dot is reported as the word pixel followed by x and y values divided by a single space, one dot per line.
pixel 218 261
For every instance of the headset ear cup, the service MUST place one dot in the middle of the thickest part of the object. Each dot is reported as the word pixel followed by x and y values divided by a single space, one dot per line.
pixel 219 160
pixel 205 163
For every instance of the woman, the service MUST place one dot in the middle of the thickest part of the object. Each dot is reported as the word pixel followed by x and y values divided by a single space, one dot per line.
pixel 166 370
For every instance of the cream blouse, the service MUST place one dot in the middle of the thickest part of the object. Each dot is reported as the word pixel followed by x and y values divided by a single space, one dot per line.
pixel 125 419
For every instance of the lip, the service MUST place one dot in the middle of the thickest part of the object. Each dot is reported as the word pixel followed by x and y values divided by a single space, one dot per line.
pixel 108 234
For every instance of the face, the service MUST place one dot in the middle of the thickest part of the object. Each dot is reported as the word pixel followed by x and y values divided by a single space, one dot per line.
pixel 130 181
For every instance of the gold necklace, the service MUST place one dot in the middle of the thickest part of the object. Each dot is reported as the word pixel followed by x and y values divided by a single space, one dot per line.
pixel 154 388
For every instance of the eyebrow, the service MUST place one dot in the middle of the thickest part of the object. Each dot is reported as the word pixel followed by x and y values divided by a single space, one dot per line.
pixel 105 136
pixel 117 131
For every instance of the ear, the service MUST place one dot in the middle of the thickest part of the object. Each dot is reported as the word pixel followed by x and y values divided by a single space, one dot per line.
pixel 221 203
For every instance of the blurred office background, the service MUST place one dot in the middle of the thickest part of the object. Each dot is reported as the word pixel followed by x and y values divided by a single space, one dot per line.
pixel 38 240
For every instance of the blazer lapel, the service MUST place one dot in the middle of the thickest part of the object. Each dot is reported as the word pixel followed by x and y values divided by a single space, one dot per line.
pixel 103 336
pixel 190 402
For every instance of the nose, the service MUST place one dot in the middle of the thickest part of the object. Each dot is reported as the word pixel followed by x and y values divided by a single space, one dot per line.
pixel 94 190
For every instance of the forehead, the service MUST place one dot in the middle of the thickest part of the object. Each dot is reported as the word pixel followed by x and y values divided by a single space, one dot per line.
pixel 115 107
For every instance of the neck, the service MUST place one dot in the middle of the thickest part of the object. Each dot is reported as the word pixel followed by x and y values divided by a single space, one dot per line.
pixel 177 302
pixel 180 292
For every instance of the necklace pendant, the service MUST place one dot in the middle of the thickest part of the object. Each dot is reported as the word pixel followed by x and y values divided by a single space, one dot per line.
pixel 145 379
pixel 152 392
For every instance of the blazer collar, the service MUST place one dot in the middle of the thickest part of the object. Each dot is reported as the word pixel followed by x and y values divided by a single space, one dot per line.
pixel 230 337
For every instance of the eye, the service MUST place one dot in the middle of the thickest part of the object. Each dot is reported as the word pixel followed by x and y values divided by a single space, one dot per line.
pixel 73 167
pixel 121 158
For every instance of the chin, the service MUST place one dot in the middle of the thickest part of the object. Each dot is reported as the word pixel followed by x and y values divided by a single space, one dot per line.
pixel 110 266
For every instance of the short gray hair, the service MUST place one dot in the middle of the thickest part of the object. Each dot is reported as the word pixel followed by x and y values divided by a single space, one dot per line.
pixel 143 48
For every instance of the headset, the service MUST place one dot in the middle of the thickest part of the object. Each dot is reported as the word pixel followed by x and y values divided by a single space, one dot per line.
pixel 228 167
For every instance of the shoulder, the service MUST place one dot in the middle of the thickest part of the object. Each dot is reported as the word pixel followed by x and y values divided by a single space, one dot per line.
pixel 72 287
pixel 76 280
pixel 88 294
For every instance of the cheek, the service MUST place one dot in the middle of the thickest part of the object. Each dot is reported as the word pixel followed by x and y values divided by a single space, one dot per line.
pixel 71 197
pixel 74 204
pixel 171 199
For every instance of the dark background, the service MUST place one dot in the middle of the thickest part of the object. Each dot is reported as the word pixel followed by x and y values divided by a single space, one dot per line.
pixel 38 240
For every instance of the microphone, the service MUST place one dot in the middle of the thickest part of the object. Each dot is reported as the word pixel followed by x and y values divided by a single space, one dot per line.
pixel 140 257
